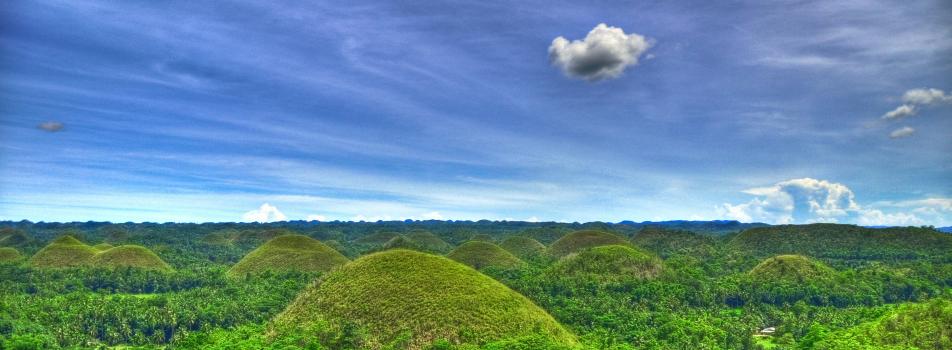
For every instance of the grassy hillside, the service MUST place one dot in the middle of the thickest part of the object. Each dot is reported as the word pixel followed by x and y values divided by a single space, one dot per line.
pixel 420 241
pixel 129 256
pixel 845 242
pixel 65 251
pixel 584 239
pixel 421 297
pixel 429 241
pixel 218 238
pixel 103 246
pixel 666 242
pixel 8 254
pixel 12 237
pixel 915 326
pixel 482 237
pixel 289 253
pixel 609 262
pixel 479 254
pixel 377 238
pixel 791 268
pixel 523 247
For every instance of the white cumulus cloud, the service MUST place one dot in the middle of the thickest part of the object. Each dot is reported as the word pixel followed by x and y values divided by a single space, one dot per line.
pixel 901 112
pixel 265 213
pixel 807 200
pixel 926 96
pixel 603 54
pixel 795 201
pixel 902 132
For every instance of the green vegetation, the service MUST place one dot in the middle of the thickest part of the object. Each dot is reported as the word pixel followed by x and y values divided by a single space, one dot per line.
pixel 914 326
pixel 665 242
pixel 791 268
pixel 103 246
pixel 429 242
pixel 483 238
pixel 8 254
pixel 65 251
pixel 666 288
pixel 845 242
pixel 416 299
pixel 480 254
pixel 609 262
pixel 132 256
pixel 422 241
pixel 523 247
pixel 584 239
pixel 378 238
pixel 218 238
pixel 12 237
pixel 289 253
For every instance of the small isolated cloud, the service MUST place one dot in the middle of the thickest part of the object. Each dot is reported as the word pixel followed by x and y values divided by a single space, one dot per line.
pixel 900 112
pixel 265 213
pixel 603 54
pixel 912 101
pixel 316 218
pixel 902 132
pixel 926 96
pixel 51 126
pixel 795 201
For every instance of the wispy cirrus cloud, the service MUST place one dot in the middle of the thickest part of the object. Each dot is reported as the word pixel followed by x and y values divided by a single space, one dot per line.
pixel 902 132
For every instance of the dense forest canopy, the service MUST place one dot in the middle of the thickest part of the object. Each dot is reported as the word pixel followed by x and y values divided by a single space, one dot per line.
pixel 592 285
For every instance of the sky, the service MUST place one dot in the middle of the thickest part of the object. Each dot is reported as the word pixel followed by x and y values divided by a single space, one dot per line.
pixel 769 111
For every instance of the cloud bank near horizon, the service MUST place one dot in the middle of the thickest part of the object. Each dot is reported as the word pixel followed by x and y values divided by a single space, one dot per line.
pixel 808 200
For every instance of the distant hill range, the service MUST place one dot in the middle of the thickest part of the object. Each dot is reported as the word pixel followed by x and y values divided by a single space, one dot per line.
pixel 714 227
pixel 837 241
pixel 947 229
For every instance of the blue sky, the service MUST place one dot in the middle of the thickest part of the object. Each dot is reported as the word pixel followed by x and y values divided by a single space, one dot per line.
pixel 779 111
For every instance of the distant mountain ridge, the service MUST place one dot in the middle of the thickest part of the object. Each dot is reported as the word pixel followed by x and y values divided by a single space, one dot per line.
pixel 713 227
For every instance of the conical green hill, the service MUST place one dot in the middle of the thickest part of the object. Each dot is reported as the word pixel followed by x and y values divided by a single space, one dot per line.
pixel 420 241
pixel 425 297
pixel 791 268
pixel 8 254
pixel 65 251
pixel 610 262
pixel 129 256
pixel 12 237
pixel 67 240
pixel 429 242
pixel 523 247
pixel 483 237
pixel 584 239
pixel 378 238
pixel 289 253
pixel 103 246
pixel 479 254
